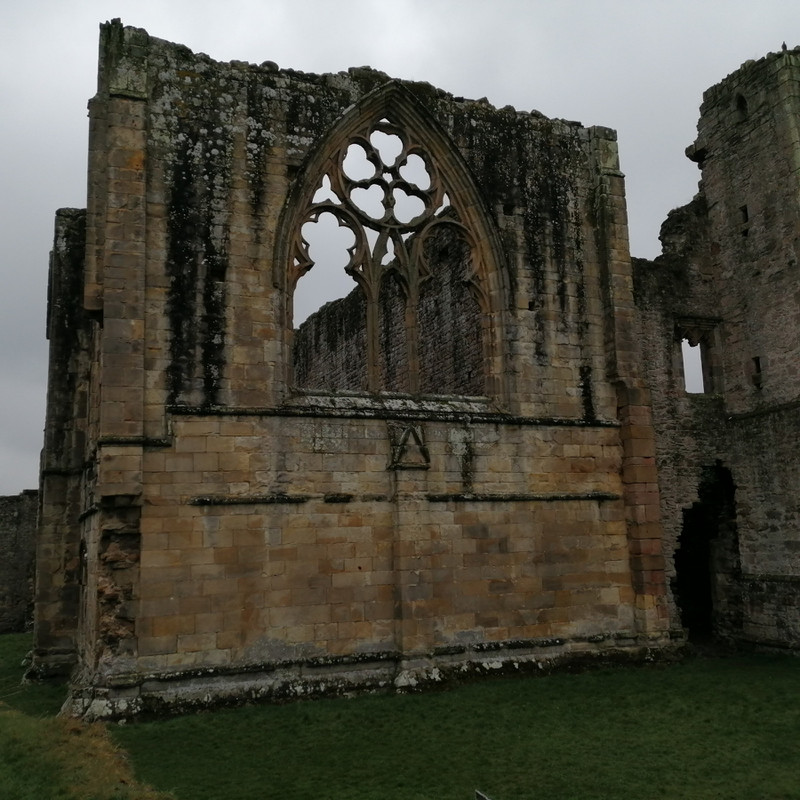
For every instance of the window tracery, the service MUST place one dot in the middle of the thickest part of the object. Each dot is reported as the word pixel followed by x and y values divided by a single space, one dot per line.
pixel 382 203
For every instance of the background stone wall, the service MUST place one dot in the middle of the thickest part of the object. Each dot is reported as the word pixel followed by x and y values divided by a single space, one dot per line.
pixel 329 347
pixel 18 517
pixel 728 278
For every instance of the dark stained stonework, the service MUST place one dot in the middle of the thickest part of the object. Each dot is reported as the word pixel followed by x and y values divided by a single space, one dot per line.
pixel 481 459
pixel 728 278
pixel 18 549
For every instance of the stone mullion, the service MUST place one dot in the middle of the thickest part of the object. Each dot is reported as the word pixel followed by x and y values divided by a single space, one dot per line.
pixel 370 283
pixel 412 333
pixel 373 351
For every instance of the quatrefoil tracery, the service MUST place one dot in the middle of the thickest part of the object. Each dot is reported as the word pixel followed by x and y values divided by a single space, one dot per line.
pixel 396 180
pixel 386 190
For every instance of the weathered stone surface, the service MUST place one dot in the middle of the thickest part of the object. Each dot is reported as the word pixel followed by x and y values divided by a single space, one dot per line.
pixel 727 458
pixel 453 470
pixel 17 544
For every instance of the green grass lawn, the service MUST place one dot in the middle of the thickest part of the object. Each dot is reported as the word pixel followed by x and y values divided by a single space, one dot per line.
pixel 705 728
pixel 44 758
pixel 721 728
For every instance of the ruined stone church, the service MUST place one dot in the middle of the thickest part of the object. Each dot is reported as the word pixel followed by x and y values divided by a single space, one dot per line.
pixel 482 456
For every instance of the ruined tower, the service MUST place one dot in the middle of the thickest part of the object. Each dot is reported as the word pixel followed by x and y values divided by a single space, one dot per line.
pixel 728 283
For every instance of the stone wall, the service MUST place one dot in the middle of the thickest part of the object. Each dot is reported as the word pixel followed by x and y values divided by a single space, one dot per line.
pixel 70 429
pixel 674 294
pixel 448 353
pixel 482 458
pixel 17 545
pixel 240 509
pixel 329 345
pixel 727 280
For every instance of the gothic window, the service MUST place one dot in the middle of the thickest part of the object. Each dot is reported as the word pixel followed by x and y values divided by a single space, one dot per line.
pixel 382 212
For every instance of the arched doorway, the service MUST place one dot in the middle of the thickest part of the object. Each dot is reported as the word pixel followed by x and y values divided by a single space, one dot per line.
pixel 707 564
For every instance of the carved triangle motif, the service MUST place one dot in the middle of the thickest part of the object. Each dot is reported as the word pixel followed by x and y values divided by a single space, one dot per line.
pixel 409 450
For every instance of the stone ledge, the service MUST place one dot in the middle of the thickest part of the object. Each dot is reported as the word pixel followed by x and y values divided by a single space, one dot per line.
pixel 130 695
pixel 756 577
pixel 372 408
pixel 261 499
pixel 521 497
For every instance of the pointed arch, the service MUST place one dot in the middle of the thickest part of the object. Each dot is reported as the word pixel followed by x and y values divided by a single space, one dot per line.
pixel 390 241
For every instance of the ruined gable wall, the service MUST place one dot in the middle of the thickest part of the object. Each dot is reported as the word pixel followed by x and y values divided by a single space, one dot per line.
pixel 235 528
pixel 329 347
pixel 223 143
pixel 328 350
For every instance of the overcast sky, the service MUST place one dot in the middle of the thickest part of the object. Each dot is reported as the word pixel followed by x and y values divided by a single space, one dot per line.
pixel 639 66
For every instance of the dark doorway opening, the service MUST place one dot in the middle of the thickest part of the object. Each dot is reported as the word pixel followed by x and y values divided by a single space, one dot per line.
pixel 707 560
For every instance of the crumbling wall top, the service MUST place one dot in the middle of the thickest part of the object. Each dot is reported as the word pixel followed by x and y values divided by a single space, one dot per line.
pixel 745 94
pixel 750 70
pixel 127 53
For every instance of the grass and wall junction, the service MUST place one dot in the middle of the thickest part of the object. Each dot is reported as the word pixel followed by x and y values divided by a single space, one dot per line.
pixel 702 728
